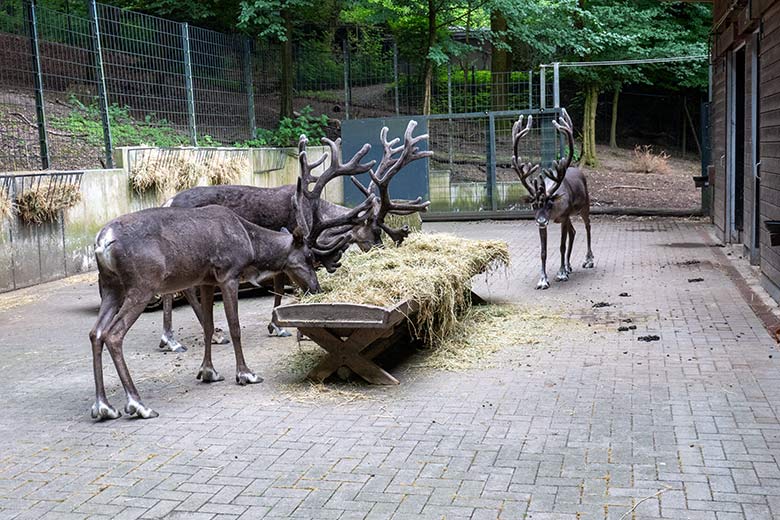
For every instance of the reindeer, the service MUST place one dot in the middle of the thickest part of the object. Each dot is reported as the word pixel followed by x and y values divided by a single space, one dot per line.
pixel 555 195
pixel 162 250
pixel 273 208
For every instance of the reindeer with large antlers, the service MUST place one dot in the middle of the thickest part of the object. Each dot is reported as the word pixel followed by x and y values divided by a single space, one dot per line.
pixel 557 194
pixel 388 167
pixel 162 250
pixel 273 208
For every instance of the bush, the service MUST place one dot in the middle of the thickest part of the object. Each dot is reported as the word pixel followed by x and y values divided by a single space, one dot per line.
pixel 647 161
pixel 290 130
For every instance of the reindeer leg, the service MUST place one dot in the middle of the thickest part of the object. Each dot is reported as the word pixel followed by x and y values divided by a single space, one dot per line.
pixel 108 307
pixel 273 328
pixel 588 264
pixel 572 232
pixel 230 298
pixel 207 373
pixel 563 274
pixel 192 298
pixel 131 309
pixel 543 282
pixel 168 340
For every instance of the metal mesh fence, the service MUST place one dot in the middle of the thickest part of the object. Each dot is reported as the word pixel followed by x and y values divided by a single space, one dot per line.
pixel 471 169
pixel 99 77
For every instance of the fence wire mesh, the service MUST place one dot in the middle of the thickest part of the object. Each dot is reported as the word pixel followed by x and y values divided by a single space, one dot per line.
pixel 98 77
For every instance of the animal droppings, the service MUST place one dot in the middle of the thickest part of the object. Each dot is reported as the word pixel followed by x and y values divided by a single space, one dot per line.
pixel 694 280
pixel 649 338
pixel 624 295
pixel 599 305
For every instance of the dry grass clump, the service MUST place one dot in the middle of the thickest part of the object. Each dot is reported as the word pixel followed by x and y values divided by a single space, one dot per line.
pixel 414 221
pixel 171 171
pixel 647 161
pixel 227 170
pixel 6 206
pixel 43 203
pixel 434 270
pixel 487 329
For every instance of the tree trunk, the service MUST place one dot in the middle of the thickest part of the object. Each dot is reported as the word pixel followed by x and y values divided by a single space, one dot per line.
pixel 286 87
pixel 499 64
pixel 589 126
pixel 613 128
pixel 428 62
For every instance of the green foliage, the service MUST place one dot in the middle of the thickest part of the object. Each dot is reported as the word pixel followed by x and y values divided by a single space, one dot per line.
pixel 290 130
pixel 84 120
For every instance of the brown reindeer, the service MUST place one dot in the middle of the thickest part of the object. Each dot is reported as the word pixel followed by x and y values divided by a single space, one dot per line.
pixel 557 194
pixel 273 208
pixel 163 250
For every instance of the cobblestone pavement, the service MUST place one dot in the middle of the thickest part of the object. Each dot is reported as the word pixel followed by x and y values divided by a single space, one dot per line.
pixel 590 424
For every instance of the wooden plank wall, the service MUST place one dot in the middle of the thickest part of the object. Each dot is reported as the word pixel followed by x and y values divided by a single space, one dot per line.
pixel 770 137
pixel 718 136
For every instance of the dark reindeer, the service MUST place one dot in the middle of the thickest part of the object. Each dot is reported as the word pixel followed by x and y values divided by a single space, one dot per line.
pixel 557 194
pixel 273 208
pixel 163 250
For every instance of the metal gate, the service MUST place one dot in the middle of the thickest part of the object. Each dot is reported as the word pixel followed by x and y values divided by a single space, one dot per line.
pixel 470 174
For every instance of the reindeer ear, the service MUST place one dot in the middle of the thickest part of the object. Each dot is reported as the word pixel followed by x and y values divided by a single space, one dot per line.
pixel 298 236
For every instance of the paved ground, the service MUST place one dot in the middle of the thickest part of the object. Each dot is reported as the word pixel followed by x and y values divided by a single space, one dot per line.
pixel 591 424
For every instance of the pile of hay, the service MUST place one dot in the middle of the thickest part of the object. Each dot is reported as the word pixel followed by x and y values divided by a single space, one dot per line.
pixel 6 206
pixel 42 203
pixel 227 170
pixel 170 171
pixel 435 270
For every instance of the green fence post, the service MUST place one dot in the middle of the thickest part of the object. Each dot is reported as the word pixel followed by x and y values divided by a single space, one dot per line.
pixel 185 37
pixel 101 77
pixel 396 77
pixel 40 111
pixel 347 86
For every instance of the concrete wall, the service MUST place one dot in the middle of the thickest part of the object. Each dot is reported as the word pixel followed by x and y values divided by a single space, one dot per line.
pixel 32 254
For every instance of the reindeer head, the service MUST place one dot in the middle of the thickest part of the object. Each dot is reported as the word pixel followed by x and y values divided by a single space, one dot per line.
pixel 542 192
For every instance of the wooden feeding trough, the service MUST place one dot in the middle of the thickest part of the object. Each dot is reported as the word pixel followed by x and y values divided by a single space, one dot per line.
pixel 353 334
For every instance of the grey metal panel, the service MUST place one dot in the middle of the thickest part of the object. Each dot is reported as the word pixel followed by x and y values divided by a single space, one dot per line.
pixel 409 183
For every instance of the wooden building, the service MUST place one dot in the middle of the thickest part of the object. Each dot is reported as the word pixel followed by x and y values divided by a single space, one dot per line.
pixel 745 128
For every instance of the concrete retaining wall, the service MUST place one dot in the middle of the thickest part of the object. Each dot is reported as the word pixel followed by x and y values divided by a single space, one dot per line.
pixel 36 253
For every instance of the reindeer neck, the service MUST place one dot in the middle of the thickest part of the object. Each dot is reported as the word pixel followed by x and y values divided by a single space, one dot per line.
pixel 271 248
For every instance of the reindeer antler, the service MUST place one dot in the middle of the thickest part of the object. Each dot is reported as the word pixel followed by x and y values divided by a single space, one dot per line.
pixel 307 200
pixel 394 158
pixel 563 126
pixel 523 169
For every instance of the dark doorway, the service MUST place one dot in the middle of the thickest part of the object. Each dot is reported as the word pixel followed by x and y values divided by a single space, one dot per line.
pixel 739 139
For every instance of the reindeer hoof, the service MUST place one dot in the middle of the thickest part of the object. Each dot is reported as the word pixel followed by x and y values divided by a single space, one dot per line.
pixel 247 378
pixel 171 344
pixel 219 338
pixel 562 276
pixel 134 408
pixel 275 331
pixel 543 284
pixel 103 411
pixel 209 375
pixel 569 269
pixel 588 264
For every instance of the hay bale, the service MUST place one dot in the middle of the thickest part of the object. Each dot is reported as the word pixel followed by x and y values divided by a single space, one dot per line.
pixel 6 206
pixel 42 203
pixel 434 270
pixel 227 170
